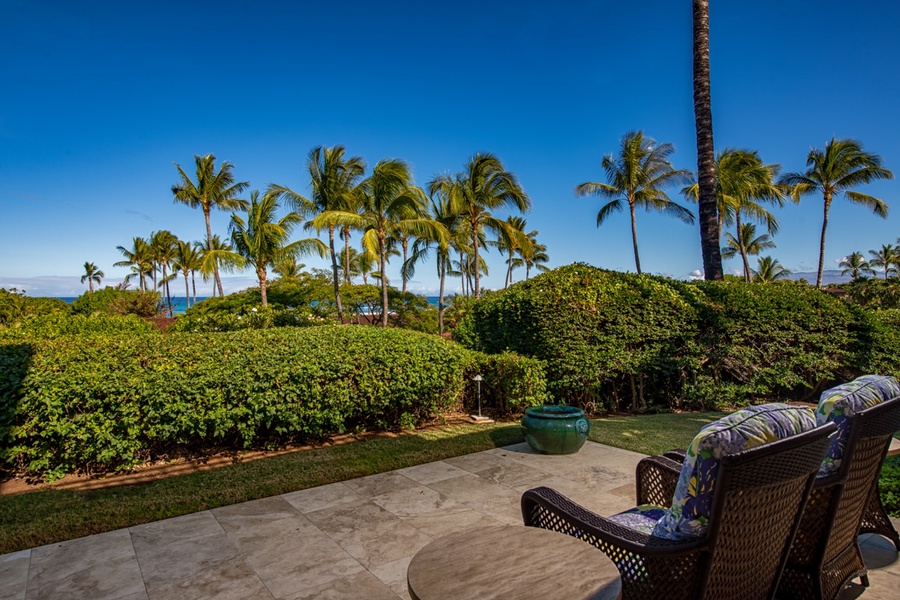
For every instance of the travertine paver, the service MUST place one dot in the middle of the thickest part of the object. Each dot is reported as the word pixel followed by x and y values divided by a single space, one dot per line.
pixel 346 540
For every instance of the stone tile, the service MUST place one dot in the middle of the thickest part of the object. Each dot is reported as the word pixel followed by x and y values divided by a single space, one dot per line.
pixel 393 575
pixel 514 475
pixel 228 579
pixel 418 500
pixel 14 575
pixel 432 472
pixel 457 518
pixel 136 596
pixel 494 500
pixel 291 569
pixel 369 533
pixel 99 566
pixel 878 552
pixel 382 483
pixel 182 547
pixel 324 496
pixel 473 463
pixel 356 586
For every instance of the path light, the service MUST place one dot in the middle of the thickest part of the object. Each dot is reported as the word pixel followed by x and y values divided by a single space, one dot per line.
pixel 479 418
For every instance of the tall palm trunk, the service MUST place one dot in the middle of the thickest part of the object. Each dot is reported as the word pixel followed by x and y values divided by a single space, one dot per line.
pixel 261 275
pixel 346 233
pixel 217 279
pixel 477 261
pixel 827 197
pixel 637 258
pixel 706 160
pixel 442 267
pixel 741 247
pixel 334 270
pixel 166 283
pixel 187 292
pixel 194 285
pixel 405 244
pixel 382 263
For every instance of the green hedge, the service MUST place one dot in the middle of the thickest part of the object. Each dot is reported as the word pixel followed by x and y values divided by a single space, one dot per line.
pixel 610 340
pixel 621 341
pixel 95 403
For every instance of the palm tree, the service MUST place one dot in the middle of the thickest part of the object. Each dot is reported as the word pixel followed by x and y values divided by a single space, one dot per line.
pixel 389 205
pixel 363 264
pixel 768 269
pixel 855 265
pixel 841 166
pixel 138 258
pixel 92 274
pixel 483 186
pixel 636 177
pixel 222 257
pixel 214 189
pixel 262 239
pixel 536 258
pixel 742 182
pixel 886 258
pixel 512 240
pixel 333 180
pixel 746 244
pixel 187 260
pixel 163 248
pixel 706 167
pixel 287 267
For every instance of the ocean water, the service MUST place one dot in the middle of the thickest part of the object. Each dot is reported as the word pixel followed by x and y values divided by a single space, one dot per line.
pixel 179 306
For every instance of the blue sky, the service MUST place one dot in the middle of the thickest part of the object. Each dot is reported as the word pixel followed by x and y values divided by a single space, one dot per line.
pixel 100 98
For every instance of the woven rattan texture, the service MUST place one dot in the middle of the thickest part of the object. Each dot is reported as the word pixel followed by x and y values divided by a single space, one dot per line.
pixel 759 498
pixel 876 520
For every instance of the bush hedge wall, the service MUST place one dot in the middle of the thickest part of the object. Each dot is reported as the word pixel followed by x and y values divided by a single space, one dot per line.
pixel 622 341
pixel 101 402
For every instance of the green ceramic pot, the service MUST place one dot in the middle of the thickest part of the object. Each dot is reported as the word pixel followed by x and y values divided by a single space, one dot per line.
pixel 555 429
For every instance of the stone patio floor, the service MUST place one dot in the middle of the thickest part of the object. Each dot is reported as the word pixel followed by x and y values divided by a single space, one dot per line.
pixel 349 540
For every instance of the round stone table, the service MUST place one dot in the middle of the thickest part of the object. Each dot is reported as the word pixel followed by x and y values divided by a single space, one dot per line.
pixel 511 562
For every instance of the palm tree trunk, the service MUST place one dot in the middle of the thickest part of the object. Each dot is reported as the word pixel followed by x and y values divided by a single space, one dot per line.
pixel 637 259
pixel 382 263
pixel 477 270
pixel 261 275
pixel 706 160
pixel 405 244
pixel 218 280
pixel 187 292
pixel 443 270
pixel 334 270
pixel 194 285
pixel 346 233
pixel 742 247
pixel 827 197
pixel 168 295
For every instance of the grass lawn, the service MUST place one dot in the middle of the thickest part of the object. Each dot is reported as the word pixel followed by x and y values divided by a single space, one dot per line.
pixel 49 516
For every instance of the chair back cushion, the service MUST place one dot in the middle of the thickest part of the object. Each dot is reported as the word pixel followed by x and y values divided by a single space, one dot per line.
pixel 840 403
pixel 689 514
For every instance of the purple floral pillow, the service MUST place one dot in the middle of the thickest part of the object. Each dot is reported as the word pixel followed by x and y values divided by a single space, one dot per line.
pixel 748 428
pixel 839 404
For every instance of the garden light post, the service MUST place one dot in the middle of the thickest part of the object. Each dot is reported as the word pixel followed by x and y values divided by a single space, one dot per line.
pixel 479 418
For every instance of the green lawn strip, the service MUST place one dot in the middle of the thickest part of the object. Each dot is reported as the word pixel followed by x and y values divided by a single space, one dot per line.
pixel 650 434
pixel 50 516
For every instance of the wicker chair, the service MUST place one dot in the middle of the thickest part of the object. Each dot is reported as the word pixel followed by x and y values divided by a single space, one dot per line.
pixel 876 520
pixel 825 555
pixel 757 502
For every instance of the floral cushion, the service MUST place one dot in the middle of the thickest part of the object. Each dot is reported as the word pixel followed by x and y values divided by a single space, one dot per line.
pixel 745 429
pixel 840 403
pixel 641 518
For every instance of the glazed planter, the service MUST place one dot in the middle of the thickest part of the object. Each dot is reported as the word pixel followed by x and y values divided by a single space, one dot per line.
pixel 555 429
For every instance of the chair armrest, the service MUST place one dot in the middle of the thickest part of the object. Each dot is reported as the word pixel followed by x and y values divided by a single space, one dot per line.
pixel 656 479
pixel 548 509
pixel 676 455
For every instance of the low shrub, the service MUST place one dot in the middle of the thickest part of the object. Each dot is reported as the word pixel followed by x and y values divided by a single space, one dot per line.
pixel 61 324
pixel 511 383
pixel 110 300
pixel 15 307
pixel 889 485
pixel 102 402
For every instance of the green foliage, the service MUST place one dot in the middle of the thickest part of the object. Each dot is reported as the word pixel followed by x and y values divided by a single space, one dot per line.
pixel 59 323
pixel 110 401
pixel 15 306
pixel 763 341
pixel 889 485
pixel 874 293
pixel 110 300
pixel 511 383
pixel 608 338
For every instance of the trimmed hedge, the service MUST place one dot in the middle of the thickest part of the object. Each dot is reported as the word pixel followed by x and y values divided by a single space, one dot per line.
pixel 611 340
pixel 622 341
pixel 95 403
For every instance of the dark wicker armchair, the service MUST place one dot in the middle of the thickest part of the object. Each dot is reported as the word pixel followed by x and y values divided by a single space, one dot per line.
pixel 757 503
pixel 825 555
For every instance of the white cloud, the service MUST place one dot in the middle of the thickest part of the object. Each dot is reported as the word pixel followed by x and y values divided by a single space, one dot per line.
pixel 695 275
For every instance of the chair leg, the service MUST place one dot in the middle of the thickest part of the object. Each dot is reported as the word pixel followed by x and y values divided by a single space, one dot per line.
pixel 864 579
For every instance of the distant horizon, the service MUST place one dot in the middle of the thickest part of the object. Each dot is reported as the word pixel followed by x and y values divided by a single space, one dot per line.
pixel 232 285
